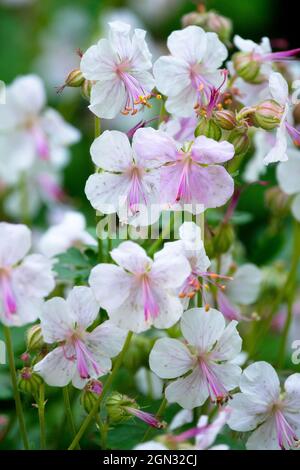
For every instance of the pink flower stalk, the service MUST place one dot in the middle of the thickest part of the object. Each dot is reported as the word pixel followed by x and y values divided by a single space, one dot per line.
pixel 80 355
pixel 119 68
pixel 24 279
pixel 146 417
pixel 202 365
pixel 144 290
pixel 272 416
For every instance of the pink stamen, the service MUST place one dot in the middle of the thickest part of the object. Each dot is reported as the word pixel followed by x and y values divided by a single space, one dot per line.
pixel 41 143
pixel 151 308
pixel 216 389
pixel 285 433
pixel 135 92
pixel 278 56
pixel 8 297
pixel 184 190
pixel 84 356
pixel 227 308
pixel 203 87
pixel 184 436
pixel 294 133
pixel 136 193
pixel 146 417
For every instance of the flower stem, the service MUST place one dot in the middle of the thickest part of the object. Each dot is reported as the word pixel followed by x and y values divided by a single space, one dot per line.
pixel 159 416
pixel 69 414
pixel 106 387
pixel 12 367
pixel 41 410
pixel 24 201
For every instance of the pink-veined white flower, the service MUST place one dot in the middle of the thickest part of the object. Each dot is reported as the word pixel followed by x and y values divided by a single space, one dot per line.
pixel 29 132
pixel 192 176
pixel 129 181
pixel 180 129
pixel 120 66
pixel 273 417
pixel 24 279
pixel 71 231
pixel 279 91
pixel 80 354
pixel 189 75
pixel 289 181
pixel 201 365
pixel 140 292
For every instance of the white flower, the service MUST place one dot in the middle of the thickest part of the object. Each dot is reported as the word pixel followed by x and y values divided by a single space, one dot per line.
pixel 260 407
pixel 24 280
pixel 263 143
pixel 289 181
pixel 120 67
pixel 188 76
pixel 210 347
pixel 140 292
pixel 80 354
pixel 71 231
pixel 129 182
pixel 180 129
pixel 279 90
pixel 28 132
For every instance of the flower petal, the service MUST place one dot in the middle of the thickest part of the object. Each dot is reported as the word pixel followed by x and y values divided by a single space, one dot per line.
pixel 190 44
pixel 15 242
pixel 56 320
pixel 189 392
pixel 108 98
pixel 170 358
pixel 55 368
pixel 229 345
pixel 260 380
pixel 264 438
pixel 83 305
pixel 112 151
pixel 110 284
pixel 209 151
pixel 108 339
pixel 201 328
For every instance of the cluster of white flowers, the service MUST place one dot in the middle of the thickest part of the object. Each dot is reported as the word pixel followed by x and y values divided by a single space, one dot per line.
pixel 182 165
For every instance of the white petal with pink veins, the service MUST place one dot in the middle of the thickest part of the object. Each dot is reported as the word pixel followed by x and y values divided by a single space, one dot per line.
pixel 83 305
pixel 111 285
pixel 15 242
pixel 57 320
pixel 170 358
pixel 189 44
pixel 201 328
pixel 56 369
pixel 112 152
pixel 189 392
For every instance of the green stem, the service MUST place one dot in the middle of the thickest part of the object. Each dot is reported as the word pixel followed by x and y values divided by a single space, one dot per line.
pixel 69 415
pixel 159 415
pixel 12 367
pixel 41 410
pixel 285 334
pixel 156 245
pixel 24 202
pixel 106 387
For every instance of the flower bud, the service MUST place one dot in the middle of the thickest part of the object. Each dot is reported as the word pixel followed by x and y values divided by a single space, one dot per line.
pixel 34 338
pixel 29 382
pixel 208 128
pixel 240 140
pixel 90 394
pixel 86 89
pixel 210 21
pixel 277 201
pixel 224 238
pixel 116 407
pixel 247 68
pixel 225 119
pixel 74 79
pixel 268 115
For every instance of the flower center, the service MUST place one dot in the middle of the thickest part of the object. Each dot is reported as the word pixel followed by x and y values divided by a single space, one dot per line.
pixel 151 308
pixel 184 192
pixel 201 85
pixel 135 92
pixel 286 435
pixel 84 357
pixel 216 389
pixel 8 296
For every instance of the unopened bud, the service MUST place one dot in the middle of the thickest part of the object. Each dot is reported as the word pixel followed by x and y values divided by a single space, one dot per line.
pixel 224 239
pixel 210 21
pixel 277 201
pixel 86 89
pixel 90 394
pixel 29 382
pixel 209 128
pixel 225 119
pixel 240 140
pixel 116 407
pixel 34 338
pixel 74 79
pixel 247 68
pixel 268 115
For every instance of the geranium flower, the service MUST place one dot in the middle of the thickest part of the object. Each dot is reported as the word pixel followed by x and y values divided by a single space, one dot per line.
pixel 120 67
pixel 180 129
pixel 260 407
pixel 71 231
pixel 24 280
pixel 191 177
pixel 201 366
pixel 188 76
pixel 140 292
pixel 129 181
pixel 280 92
pixel 80 354
pixel 29 132
pixel 288 179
